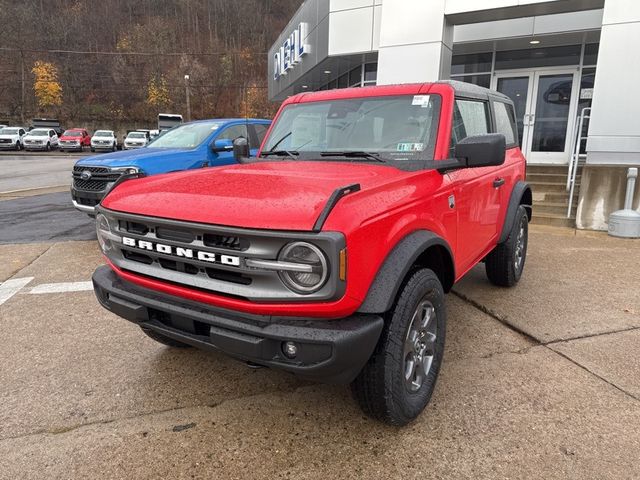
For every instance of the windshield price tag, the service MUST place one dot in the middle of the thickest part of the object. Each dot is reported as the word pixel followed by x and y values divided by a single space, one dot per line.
pixel 410 147
pixel 422 100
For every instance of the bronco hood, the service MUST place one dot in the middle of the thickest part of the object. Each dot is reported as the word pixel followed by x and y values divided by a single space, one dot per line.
pixel 265 195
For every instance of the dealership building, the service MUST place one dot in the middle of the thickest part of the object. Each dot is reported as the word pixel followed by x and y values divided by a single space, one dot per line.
pixel 572 68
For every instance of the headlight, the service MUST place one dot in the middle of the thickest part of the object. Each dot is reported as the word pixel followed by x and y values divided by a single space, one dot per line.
pixel 304 253
pixel 103 232
pixel 129 170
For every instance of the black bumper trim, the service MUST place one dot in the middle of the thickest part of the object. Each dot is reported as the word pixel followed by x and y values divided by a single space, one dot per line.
pixel 331 351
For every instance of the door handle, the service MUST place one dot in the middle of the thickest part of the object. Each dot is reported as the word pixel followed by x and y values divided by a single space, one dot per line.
pixel 498 182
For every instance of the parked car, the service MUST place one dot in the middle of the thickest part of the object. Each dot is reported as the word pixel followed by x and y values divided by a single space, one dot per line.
pixel 191 145
pixel 104 140
pixel 74 139
pixel 40 139
pixel 11 138
pixel 330 254
pixel 136 139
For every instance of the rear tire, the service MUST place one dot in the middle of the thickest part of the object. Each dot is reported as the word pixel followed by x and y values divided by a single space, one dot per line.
pixel 505 263
pixel 170 342
pixel 397 382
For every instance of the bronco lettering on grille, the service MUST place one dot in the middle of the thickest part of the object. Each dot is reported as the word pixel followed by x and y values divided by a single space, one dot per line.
pixel 182 252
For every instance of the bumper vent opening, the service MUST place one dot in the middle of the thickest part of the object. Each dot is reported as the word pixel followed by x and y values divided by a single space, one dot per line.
pixel 183 236
pixel 225 276
pixel 137 257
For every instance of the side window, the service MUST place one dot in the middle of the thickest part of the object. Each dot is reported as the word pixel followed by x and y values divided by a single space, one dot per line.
pixel 470 117
pixel 505 121
pixel 261 131
pixel 21 132
pixel 51 133
pixel 233 132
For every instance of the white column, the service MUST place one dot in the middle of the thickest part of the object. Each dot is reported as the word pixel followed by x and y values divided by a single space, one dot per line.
pixel 614 128
pixel 415 42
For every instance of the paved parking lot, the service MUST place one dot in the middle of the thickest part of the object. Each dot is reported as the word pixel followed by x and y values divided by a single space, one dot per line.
pixel 539 381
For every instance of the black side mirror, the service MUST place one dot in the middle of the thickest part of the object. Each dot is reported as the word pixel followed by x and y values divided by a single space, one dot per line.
pixel 481 150
pixel 240 150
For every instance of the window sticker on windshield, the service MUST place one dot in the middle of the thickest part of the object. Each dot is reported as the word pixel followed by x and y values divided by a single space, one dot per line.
pixel 410 147
pixel 422 100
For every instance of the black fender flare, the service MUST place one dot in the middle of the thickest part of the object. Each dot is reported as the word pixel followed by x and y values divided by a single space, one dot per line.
pixel 520 195
pixel 389 278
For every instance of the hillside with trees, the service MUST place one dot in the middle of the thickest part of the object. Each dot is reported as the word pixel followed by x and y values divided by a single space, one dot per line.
pixel 121 62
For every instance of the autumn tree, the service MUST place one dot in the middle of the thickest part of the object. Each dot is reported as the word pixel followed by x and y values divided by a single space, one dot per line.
pixel 157 92
pixel 46 86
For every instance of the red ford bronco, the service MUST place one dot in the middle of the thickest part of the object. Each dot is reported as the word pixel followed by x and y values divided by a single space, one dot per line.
pixel 330 253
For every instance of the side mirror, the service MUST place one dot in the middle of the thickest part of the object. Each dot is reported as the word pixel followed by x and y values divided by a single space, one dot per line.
pixel 222 145
pixel 240 149
pixel 481 150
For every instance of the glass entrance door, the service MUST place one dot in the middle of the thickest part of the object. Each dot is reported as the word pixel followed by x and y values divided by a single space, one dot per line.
pixel 545 103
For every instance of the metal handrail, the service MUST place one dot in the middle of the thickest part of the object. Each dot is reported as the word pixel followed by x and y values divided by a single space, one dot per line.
pixel 575 158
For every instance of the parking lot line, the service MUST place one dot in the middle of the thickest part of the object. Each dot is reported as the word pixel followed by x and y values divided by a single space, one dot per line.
pixel 62 287
pixel 9 288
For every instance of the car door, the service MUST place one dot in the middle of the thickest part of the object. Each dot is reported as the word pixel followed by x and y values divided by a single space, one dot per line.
pixel 477 199
pixel 53 138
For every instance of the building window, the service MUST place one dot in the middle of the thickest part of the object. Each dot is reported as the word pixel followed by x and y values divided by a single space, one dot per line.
pixel 471 63
pixel 590 54
pixel 370 74
pixel 538 57
pixel 360 76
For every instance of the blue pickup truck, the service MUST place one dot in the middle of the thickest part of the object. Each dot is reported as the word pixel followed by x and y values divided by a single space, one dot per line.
pixel 204 143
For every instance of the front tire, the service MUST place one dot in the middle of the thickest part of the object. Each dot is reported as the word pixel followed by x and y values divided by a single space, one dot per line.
pixel 49 147
pixel 505 263
pixel 170 342
pixel 397 382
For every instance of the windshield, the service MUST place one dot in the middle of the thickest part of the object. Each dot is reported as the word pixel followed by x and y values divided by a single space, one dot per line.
pixel 9 131
pixel 137 135
pixel 103 133
pixel 70 133
pixel 189 135
pixel 397 128
pixel 39 132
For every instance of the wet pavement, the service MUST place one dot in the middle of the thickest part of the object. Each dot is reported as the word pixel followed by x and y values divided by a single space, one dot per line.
pixel 539 381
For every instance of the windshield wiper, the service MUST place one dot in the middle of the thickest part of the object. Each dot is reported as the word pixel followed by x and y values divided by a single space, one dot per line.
pixel 355 154
pixel 280 153
pixel 284 137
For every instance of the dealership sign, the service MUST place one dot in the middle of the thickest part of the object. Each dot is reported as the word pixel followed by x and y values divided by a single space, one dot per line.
pixel 291 52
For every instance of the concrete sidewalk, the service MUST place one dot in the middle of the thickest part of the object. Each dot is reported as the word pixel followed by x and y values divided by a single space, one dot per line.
pixel 539 381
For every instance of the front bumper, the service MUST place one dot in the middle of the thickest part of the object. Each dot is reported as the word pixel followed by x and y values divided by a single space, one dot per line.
pixel 36 146
pixel 86 201
pixel 70 147
pixel 332 351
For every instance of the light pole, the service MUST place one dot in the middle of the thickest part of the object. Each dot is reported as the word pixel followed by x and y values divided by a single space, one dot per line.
pixel 186 90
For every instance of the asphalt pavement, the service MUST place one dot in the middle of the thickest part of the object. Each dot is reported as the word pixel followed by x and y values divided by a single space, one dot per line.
pixel 24 171
pixel 43 218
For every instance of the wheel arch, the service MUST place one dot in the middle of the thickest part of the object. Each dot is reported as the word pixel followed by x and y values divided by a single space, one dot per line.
pixel 520 195
pixel 419 249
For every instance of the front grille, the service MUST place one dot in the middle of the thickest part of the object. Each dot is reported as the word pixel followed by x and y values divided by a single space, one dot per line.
pixel 213 258
pixel 5 140
pixel 89 185
pixel 100 177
